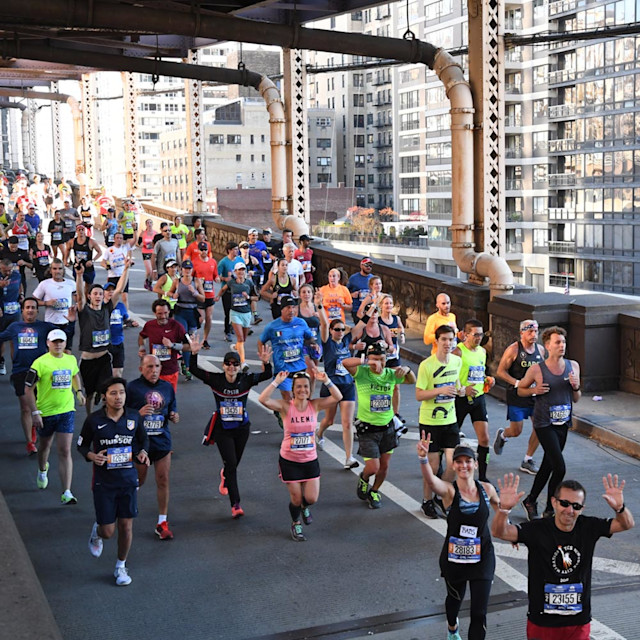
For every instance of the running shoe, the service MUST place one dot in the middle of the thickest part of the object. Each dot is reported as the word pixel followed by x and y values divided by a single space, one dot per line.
pixel 362 490
pixel 548 513
pixel 236 511
pixel 279 419
pixel 429 509
pixel 163 532
pixel 187 376
pixel 206 345
pixel 96 399
pixel 307 518
pixel 229 337
pixel 244 368
pixel 122 576
pixel 256 319
pixel 454 635
pixel 530 508
pixel 31 448
pixel 319 441
pixel 183 368
pixel 147 285
pixel 499 442
pixel 41 479
pixel 350 463
pixel 373 498
pixel 95 542
pixel 222 488
pixel 296 532
pixel 68 498
pixel 440 510
pixel 529 466
pixel 3 368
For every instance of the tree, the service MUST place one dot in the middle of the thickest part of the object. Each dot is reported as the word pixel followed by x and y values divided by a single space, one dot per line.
pixel 363 220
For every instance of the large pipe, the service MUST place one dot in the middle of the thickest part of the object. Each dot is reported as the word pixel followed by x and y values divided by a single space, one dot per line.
pixel 100 15
pixel 7 104
pixel 280 201
pixel 74 105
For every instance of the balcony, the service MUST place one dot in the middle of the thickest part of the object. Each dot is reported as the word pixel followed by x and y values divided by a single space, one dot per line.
pixel 381 124
pixel 562 180
pixel 383 186
pixel 513 216
pixel 511 121
pixel 382 102
pixel 562 246
pixel 382 144
pixel 561 145
pixel 562 279
pixel 383 164
pixel 380 80
pixel 513 152
pixel 515 184
pixel 561 213
pixel 513 247
pixel 562 75
pixel 512 88
pixel 561 110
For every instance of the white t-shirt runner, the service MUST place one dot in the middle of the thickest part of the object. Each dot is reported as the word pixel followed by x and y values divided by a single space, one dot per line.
pixel 62 292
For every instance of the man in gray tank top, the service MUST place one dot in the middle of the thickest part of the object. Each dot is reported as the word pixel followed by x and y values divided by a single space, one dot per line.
pixel 555 383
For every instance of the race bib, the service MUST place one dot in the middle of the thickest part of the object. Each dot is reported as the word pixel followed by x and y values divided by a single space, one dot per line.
pixel 464 550
pixel 23 243
pixel 61 304
pixel 110 237
pixel 61 379
pixel 301 441
pixel 335 313
pixel 231 411
pixel 379 403
pixel 10 308
pixel 27 340
pixel 117 262
pixel 563 599
pixel 207 286
pixel 161 352
pixel 82 255
pixel 292 354
pixel 441 398
pixel 148 246
pixel 559 413
pixel 43 261
pixel 56 235
pixel 239 300
pixel 116 317
pixel 306 266
pixel 119 457
pixel 280 295
pixel 340 369
pixel 476 375
pixel 153 424
pixel 100 338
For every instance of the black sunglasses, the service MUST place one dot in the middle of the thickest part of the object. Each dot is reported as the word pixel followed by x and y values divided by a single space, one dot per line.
pixel 565 503
pixel 300 374
pixel 231 363
pixel 338 329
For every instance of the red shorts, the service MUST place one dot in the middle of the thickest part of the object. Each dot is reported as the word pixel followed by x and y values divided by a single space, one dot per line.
pixel 172 379
pixel 576 632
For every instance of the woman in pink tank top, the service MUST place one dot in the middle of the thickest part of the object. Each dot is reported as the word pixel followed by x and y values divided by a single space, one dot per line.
pixel 299 468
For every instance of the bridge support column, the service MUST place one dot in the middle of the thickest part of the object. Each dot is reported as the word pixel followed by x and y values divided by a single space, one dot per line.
pixel 31 156
pixel 89 133
pixel 294 87
pixel 195 138
pixel 486 77
pixel 55 127
pixel 130 132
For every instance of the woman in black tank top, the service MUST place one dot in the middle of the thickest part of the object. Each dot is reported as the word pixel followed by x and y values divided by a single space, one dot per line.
pixel 278 285
pixel 370 333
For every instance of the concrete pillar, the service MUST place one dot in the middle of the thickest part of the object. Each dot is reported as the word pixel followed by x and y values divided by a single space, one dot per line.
pixel 294 88
pixel 129 108
pixel 55 128
pixel 195 137
pixel 90 133
pixel 486 76
pixel 31 160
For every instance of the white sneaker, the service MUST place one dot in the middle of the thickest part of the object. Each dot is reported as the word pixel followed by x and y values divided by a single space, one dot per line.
pixel 122 576
pixel 351 463
pixel 95 542
pixel 319 442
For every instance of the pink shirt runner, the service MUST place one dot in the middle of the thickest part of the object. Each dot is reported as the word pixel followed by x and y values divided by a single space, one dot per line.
pixel 299 442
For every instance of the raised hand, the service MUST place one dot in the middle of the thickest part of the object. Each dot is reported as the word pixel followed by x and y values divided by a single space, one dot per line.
pixel 509 494
pixel 613 491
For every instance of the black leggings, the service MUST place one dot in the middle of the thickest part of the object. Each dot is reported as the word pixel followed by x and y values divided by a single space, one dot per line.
pixel 231 444
pixel 226 305
pixel 480 590
pixel 552 439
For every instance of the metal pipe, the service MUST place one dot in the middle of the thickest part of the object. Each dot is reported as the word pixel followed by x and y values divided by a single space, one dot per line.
pixel 76 115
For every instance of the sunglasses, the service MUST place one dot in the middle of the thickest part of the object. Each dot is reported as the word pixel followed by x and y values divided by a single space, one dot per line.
pixel 300 374
pixel 338 329
pixel 231 363
pixel 575 505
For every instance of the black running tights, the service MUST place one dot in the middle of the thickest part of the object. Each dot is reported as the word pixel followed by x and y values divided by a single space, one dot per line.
pixel 231 443
pixel 552 439
pixel 480 590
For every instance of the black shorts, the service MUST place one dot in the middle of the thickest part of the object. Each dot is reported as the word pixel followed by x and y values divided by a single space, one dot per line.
pixel 17 380
pixel 477 409
pixel 446 436
pixel 117 355
pixel 6 320
pixel 347 390
pixel 146 256
pixel 112 503
pixel 114 280
pixel 372 444
pixel 298 471
pixel 94 372
pixel 207 302
pixel 157 454
pixel 127 236
pixel 68 235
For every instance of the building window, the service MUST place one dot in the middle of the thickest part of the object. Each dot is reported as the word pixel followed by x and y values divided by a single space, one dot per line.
pixel 238 157
pixel 323 162
pixel 358 181
pixel 358 140
pixel 358 100
pixel 234 138
pixel 324 178
pixel 215 138
pixel 358 120
pixel 323 143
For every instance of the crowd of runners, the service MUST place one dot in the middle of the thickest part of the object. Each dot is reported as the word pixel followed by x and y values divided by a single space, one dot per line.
pixel 333 343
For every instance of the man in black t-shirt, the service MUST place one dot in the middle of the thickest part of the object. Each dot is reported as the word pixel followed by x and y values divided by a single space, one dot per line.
pixel 561 552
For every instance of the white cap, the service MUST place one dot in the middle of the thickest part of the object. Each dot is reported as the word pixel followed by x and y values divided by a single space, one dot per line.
pixel 239 266
pixel 252 231
pixel 57 334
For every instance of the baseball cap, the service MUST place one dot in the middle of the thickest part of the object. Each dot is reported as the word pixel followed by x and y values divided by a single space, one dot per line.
pixel 202 246
pixel 109 285
pixel 252 231
pixel 187 264
pixel 376 349
pixel 57 334
pixel 13 240
pixel 111 210
pixel 231 355
pixel 267 230
pixel 239 266
pixel 366 261
pixel 170 263
pixel 244 245
pixel 463 450
pixel 304 236
pixel 31 205
pixel 288 301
